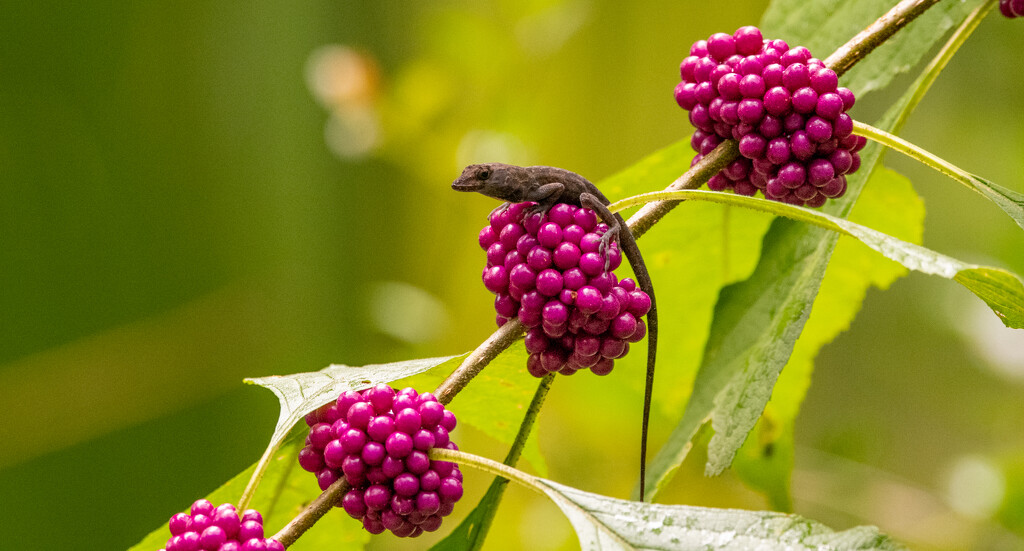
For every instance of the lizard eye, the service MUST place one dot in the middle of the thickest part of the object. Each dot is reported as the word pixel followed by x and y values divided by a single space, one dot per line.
pixel 483 174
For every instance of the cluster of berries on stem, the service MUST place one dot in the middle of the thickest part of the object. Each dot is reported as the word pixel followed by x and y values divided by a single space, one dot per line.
pixel 210 528
pixel 554 272
pixel 378 441
pixel 783 106
pixel 1011 8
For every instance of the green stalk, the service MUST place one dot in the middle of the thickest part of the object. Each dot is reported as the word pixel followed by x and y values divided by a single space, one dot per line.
pixel 914 152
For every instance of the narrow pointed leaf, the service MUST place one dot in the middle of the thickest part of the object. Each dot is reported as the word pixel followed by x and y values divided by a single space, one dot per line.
pixel 888 203
pixel 607 524
pixel 1001 290
pixel 1010 201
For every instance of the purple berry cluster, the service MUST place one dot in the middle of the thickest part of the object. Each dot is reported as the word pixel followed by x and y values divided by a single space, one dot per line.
pixel 550 271
pixel 210 528
pixel 1011 8
pixel 783 106
pixel 378 440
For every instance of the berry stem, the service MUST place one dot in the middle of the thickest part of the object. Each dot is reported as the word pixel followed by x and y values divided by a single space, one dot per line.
pixel 528 420
pixel 257 476
pixel 516 450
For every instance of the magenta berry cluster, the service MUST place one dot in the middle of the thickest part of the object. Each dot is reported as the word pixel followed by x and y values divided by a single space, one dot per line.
pixel 378 441
pixel 1011 8
pixel 783 106
pixel 553 271
pixel 210 528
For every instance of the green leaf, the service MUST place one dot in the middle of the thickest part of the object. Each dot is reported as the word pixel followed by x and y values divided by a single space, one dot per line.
pixel 301 393
pixel 824 25
pixel 606 523
pixel 889 203
pixel 690 257
pixel 290 489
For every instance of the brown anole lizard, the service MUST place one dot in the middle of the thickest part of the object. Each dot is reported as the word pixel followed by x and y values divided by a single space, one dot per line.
pixel 548 186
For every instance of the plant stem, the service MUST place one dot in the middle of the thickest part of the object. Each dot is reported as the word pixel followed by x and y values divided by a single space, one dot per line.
pixel 840 61
pixel 475 362
pixel 312 513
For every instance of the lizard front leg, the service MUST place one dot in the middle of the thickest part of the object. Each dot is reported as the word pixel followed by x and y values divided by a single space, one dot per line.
pixel 546 196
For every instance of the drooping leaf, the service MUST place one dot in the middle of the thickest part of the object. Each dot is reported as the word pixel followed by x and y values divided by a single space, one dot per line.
pixel 888 203
pixel 1001 290
pixel 301 393
pixel 287 490
pixel 1011 202
pixel 610 524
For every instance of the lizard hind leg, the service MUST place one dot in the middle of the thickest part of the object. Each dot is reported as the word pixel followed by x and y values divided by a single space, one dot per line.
pixel 612 235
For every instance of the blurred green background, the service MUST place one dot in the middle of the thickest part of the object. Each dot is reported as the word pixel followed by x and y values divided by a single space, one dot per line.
pixel 193 193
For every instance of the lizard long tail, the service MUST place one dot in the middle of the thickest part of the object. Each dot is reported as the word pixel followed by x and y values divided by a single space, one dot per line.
pixel 628 243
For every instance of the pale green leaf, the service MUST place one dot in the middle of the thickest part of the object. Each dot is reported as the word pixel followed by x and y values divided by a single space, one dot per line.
pixel 301 393
pixel 607 524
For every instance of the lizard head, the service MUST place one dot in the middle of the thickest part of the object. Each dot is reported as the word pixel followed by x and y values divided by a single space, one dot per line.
pixel 490 179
